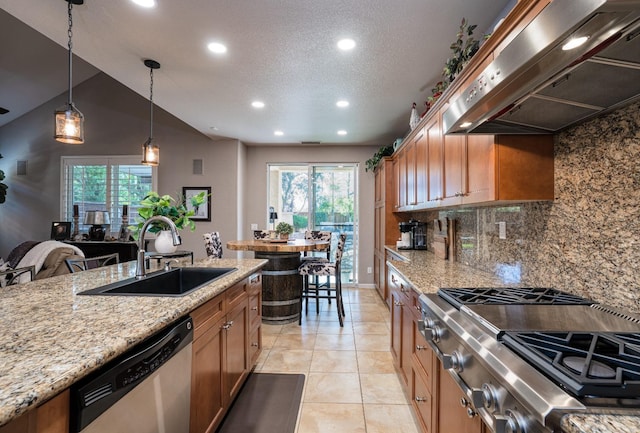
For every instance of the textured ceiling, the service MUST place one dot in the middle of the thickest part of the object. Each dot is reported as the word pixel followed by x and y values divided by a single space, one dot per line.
pixel 282 52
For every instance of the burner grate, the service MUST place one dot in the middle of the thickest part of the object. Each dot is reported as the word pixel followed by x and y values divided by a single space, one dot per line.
pixel 583 363
pixel 510 295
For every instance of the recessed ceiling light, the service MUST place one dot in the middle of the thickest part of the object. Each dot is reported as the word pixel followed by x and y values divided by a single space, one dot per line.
pixel 342 103
pixel 257 104
pixel 346 44
pixel 217 47
pixel 342 132
pixel 145 3
pixel 574 43
pixel 278 133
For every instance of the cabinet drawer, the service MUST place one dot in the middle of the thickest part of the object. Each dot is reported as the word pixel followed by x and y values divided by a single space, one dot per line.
pixel 422 401
pixel 236 295
pixel 255 346
pixel 397 283
pixel 423 357
pixel 255 283
pixel 205 316
pixel 255 308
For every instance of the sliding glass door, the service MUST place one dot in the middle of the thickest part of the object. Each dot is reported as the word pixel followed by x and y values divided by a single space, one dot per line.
pixel 318 197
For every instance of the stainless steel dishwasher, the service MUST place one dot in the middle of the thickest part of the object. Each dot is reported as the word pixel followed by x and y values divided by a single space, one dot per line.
pixel 145 390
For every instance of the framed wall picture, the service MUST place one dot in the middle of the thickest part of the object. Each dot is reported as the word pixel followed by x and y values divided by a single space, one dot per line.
pixel 60 230
pixel 202 212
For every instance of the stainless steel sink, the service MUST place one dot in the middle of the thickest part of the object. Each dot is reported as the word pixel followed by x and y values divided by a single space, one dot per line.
pixel 176 282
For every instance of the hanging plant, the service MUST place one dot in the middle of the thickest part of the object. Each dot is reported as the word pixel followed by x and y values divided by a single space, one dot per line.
pixel 3 186
pixel 372 162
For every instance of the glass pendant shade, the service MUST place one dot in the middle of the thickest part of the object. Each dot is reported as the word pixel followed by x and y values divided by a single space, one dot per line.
pixel 150 153
pixel 69 125
pixel 69 122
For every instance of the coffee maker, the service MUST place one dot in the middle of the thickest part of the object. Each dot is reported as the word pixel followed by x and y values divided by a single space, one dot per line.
pixel 419 235
pixel 406 236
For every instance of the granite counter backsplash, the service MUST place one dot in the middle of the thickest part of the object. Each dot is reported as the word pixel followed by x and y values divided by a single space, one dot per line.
pixel 51 337
pixel 427 273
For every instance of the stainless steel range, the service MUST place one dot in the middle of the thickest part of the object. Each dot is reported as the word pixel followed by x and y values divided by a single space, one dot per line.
pixel 527 356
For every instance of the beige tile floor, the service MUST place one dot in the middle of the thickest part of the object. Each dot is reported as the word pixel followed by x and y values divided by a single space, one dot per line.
pixel 351 384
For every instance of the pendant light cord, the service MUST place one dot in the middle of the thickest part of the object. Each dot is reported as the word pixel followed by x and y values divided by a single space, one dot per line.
pixel 70 44
pixel 151 105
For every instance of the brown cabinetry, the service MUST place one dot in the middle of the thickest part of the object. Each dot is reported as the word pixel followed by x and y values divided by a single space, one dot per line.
pixel 453 415
pixel 386 230
pixel 50 417
pixel 413 358
pixel 222 351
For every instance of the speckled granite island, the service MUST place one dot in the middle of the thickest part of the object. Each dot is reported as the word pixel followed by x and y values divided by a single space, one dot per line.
pixel 51 337
pixel 426 273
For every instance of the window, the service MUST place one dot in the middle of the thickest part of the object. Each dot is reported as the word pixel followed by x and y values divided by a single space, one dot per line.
pixel 318 197
pixel 104 183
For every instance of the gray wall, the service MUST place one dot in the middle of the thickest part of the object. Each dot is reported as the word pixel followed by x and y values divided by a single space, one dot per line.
pixel 117 123
pixel 587 241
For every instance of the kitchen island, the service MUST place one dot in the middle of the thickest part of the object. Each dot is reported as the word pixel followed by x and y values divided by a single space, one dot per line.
pixel 425 273
pixel 52 337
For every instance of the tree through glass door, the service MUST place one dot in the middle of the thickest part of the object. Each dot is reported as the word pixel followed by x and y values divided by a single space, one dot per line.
pixel 319 197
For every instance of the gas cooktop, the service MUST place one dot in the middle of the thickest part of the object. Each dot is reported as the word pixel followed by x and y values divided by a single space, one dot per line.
pixel 510 295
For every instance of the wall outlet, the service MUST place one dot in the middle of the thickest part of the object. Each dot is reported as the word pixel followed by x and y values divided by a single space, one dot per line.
pixel 369 270
pixel 254 226
pixel 502 230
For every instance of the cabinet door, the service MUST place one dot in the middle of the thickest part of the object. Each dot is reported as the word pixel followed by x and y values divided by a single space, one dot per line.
pixel 434 144
pixel 396 326
pixel 452 416
pixel 480 170
pixel 422 169
pixel 402 178
pixel 410 161
pixel 408 344
pixel 207 402
pixel 236 336
pixel 454 169
pixel 422 401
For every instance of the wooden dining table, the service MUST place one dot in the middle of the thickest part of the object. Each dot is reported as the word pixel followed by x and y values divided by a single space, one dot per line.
pixel 281 282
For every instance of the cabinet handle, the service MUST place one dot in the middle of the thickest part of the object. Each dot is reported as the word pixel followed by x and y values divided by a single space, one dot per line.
pixel 418 307
pixel 398 304
pixel 421 399
pixel 393 279
pixel 402 288
pixel 254 344
pixel 227 325
pixel 254 308
pixel 254 279
pixel 418 347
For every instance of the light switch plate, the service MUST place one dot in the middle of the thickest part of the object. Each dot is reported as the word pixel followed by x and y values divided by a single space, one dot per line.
pixel 254 226
pixel 502 230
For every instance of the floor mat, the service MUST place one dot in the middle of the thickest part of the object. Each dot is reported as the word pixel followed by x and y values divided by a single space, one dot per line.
pixel 267 403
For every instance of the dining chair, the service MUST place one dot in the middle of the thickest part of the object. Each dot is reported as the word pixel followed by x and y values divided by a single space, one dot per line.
pixel 213 244
pixel 328 269
pixel 13 276
pixel 86 263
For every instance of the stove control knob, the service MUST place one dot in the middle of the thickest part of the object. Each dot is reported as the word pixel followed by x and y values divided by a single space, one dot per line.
pixel 511 422
pixel 453 362
pixel 489 396
pixel 436 333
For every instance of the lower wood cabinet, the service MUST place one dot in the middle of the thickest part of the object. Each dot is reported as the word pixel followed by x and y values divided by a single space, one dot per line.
pixel 452 412
pixel 50 417
pixel 223 353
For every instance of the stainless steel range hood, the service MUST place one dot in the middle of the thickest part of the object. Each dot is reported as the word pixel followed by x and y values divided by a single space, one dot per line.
pixel 536 86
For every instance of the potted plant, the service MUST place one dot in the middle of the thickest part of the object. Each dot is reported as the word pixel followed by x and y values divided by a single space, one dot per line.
pixel 154 204
pixel 375 159
pixel 284 229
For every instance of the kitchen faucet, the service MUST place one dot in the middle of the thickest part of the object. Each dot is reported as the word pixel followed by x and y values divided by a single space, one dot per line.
pixel 140 270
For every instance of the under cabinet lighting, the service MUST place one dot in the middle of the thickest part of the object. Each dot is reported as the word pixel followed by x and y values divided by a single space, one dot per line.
pixel 574 43
pixel 465 125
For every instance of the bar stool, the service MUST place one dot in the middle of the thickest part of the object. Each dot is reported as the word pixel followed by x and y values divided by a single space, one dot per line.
pixel 318 235
pixel 213 244
pixel 83 264
pixel 317 268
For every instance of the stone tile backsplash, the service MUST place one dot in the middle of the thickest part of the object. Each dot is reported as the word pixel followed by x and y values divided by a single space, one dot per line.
pixel 587 241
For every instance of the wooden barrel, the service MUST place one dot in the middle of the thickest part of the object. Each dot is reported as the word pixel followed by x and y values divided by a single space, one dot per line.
pixel 281 287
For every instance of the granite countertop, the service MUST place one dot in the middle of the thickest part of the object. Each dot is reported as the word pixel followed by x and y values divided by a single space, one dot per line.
pixel 51 337
pixel 426 273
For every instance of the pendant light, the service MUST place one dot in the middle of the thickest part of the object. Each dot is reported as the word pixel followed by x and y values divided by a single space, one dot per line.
pixel 69 122
pixel 151 152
